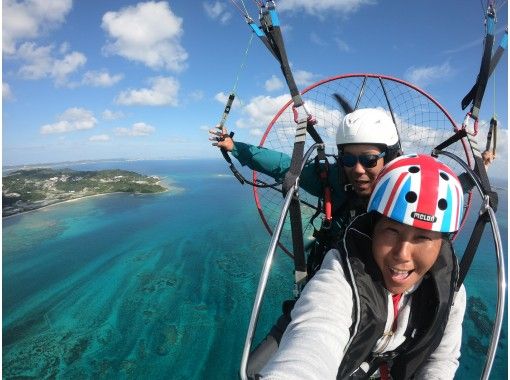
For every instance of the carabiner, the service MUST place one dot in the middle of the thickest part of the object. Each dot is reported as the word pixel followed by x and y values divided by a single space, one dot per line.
pixel 465 124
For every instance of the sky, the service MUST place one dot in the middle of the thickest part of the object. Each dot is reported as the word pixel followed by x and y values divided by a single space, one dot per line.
pixel 93 79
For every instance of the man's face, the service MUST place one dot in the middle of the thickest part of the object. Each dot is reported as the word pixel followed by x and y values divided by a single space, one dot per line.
pixel 360 177
pixel 403 253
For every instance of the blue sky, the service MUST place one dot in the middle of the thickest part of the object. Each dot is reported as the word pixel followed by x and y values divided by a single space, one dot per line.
pixel 146 80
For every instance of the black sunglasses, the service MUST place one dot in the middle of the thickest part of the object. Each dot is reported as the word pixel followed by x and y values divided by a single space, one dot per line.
pixel 366 160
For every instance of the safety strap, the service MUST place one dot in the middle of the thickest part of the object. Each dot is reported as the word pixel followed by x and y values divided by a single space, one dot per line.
pixel 322 164
pixel 481 84
pixel 471 248
pixel 291 179
pixel 493 63
pixel 451 140
pixel 483 75
pixel 481 171
pixel 270 34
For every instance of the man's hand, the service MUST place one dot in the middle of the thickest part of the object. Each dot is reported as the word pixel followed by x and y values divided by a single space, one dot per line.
pixel 221 138
pixel 488 157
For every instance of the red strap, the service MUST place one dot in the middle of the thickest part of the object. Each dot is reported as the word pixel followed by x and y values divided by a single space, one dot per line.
pixel 396 300
pixel 383 368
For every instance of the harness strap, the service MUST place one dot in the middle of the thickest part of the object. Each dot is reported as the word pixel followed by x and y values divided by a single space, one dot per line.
pixel 270 34
pixel 482 172
pixel 483 75
pixel 291 178
pixel 323 168
pixel 461 133
pixel 493 63
pixel 270 21
pixel 472 247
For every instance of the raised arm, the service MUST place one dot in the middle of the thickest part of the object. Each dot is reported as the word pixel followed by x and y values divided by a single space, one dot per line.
pixel 270 162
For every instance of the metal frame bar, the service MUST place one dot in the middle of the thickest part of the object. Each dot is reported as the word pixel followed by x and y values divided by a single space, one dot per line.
pixel 500 304
pixel 267 267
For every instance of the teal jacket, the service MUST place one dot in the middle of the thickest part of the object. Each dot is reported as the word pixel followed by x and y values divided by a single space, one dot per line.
pixel 276 164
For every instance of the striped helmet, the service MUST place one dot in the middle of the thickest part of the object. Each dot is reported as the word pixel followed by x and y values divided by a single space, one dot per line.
pixel 419 191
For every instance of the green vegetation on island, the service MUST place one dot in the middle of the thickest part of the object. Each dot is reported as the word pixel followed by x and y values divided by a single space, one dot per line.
pixel 25 190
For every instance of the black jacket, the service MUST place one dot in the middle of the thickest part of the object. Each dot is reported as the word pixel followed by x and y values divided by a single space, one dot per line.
pixel 430 307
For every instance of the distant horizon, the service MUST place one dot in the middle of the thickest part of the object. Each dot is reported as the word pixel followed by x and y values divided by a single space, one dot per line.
pixel 492 177
pixel 88 161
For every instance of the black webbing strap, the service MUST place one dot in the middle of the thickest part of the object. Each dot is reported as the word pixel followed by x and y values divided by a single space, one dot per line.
pixel 323 169
pixel 291 178
pixel 479 166
pixel 493 63
pixel 483 75
pixel 271 36
pixel 451 140
pixel 482 173
pixel 271 27
pixel 472 247
pixel 262 37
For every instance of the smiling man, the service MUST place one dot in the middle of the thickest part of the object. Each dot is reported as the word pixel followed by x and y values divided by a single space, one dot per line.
pixel 386 304
pixel 366 139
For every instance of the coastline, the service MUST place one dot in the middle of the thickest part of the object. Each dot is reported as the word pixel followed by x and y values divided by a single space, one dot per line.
pixel 58 202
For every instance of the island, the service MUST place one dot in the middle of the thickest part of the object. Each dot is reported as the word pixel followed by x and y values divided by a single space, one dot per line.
pixel 31 189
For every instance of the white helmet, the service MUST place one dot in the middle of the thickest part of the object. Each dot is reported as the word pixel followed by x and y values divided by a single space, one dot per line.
pixel 367 126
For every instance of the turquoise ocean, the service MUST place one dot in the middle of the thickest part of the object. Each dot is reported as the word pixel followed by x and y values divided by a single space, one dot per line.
pixel 161 286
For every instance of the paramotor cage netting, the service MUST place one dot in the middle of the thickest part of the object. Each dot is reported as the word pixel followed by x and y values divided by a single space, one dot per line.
pixel 421 121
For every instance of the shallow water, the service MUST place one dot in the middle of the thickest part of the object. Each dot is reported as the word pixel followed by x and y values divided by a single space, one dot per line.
pixel 159 286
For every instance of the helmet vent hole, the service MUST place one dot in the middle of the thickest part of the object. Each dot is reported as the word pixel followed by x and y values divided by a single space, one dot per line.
pixel 414 169
pixel 442 204
pixel 411 197
pixel 444 176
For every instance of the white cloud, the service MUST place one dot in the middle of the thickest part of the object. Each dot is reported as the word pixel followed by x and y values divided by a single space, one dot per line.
pixel 304 78
pixel 72 119
pixel 27 19
pixel 273 84
pixel 6 92
pixel 261 110
pixel 39 63
pixel 322 7
pixel 99 138
pixel 425 75
pixel 62 68
pixel 100 78
pixel 217 11
pixel 137 129
pixel 112 115
pixel 149 33
pixel 163 91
